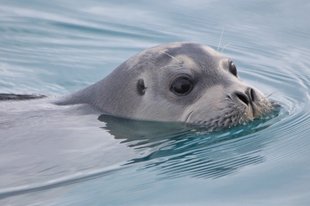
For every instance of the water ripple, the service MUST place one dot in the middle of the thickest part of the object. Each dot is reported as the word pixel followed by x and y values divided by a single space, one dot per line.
pixel 63 181
pixel 57 47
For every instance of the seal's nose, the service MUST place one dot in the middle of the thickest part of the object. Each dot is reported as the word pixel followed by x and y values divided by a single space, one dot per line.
pixel 247 97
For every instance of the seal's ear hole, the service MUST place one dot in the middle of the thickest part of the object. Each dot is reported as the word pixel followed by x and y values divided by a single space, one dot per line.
pixel 141 87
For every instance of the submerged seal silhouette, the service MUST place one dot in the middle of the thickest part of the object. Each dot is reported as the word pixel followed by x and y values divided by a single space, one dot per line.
pixel 179 82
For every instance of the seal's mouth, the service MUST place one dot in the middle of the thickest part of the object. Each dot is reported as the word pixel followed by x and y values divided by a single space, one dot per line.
pixel 231 116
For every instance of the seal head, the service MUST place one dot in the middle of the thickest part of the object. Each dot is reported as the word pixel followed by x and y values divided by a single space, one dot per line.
pixel 179 82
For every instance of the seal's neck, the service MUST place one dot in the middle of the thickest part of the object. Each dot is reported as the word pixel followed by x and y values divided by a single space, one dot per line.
pixel 111 95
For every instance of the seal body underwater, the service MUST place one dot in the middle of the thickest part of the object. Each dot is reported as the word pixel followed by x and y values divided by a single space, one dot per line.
pixel 178 82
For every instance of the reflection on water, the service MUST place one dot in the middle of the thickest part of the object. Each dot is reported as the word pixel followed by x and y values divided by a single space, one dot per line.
pixel 176 149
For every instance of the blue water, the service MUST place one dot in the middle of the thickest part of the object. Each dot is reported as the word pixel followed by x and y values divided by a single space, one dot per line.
pixel 64 156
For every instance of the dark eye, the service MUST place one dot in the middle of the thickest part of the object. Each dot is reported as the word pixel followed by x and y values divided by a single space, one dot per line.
pixel 233 68
pixel 182 86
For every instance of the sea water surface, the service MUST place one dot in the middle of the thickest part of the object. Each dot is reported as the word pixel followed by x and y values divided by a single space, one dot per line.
pixel 51 155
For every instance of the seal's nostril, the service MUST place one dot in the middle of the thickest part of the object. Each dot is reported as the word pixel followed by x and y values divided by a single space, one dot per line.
pixel 252 94
pixel 243 97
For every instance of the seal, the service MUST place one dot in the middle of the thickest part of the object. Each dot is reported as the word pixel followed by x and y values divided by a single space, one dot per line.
pixel 177 82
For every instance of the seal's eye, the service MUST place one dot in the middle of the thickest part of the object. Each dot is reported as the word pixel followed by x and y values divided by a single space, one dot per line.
pixel 182 86
pixel 233 68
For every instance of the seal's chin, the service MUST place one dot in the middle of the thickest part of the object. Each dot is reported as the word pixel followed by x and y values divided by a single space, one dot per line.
pixel 232 115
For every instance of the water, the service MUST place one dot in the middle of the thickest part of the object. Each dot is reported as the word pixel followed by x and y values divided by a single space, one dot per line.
pixel 74 158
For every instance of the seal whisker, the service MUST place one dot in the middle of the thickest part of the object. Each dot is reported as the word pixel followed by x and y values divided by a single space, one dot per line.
pixel 228 97
pixel 220 42
pixel 272 93
pixel 188 116
pixel 225 46
pixel 172 57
